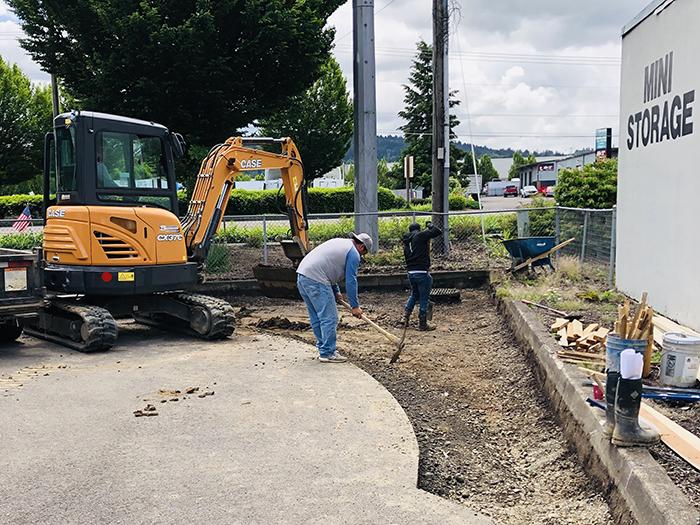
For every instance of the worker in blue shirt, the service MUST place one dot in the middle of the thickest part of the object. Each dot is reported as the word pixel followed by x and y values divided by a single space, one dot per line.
pixel 318 276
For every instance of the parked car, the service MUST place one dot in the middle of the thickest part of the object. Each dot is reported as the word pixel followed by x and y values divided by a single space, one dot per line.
pixel 549 192
pixel 510 191
pixel 528 191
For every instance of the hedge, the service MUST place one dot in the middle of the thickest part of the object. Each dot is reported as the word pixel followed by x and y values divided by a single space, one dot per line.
pixel 242 202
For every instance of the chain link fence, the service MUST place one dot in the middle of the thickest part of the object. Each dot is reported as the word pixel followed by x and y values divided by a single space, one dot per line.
pixel 474 238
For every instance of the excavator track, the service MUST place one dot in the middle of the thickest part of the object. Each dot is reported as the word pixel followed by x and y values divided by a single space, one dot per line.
pixel 85 328
pixel 209 317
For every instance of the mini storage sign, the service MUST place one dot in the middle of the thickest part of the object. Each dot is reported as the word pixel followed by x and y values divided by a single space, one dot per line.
pixel 666 113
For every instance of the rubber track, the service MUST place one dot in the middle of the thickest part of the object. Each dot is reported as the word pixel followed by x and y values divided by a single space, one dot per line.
pixel 102 328
pixel 220 312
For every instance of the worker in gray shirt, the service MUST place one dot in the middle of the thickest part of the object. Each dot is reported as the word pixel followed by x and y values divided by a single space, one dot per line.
pixel 318 276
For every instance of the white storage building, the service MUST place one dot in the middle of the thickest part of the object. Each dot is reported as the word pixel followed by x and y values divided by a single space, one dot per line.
pixel 658 208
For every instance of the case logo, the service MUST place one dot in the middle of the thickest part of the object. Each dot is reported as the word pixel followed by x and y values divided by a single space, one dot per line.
pixel 56 213
pixel 253 163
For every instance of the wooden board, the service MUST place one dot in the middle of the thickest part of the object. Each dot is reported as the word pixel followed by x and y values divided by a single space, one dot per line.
pixel 559 324
pixel 601 334
pixel 576 328
pixel 682 442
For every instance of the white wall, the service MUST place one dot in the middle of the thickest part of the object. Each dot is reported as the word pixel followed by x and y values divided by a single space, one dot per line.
pixel 658 244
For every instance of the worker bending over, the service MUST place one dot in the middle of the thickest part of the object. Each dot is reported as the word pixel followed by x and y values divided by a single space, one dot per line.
pixel 318 276
pixel 416 251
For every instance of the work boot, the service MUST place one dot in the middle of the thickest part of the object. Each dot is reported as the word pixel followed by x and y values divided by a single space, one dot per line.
pixel 406 318
pixel 610 391
pixel 423 325
pixel 627 431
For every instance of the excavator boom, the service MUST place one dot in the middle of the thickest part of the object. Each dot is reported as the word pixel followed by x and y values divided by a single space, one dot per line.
pixel 217 174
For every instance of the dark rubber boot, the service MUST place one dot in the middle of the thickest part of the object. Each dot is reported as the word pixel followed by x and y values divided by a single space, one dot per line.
pixel 423 325
pixel 610 391
pixel 627 431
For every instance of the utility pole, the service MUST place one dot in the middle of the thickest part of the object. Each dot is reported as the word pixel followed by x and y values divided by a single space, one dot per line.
pixel 54 96
pixel 441 123
pixel 365 137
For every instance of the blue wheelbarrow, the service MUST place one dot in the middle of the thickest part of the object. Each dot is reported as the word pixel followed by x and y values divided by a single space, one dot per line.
pixel 532 251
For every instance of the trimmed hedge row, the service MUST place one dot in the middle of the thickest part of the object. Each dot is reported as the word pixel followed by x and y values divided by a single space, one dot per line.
pixel 260 202
pixel 242 202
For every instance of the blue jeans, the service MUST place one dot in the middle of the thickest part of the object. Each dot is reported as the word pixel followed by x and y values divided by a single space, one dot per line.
pixel 421 284
pixel 320 302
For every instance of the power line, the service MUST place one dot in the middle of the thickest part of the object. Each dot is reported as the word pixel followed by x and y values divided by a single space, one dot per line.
pixel 504 58
pixel 344 35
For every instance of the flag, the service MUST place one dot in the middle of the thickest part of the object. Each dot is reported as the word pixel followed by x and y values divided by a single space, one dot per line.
pixel 23 221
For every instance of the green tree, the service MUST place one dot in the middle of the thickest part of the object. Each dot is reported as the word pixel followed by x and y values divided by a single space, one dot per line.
pixel 466 169
pixel 486 170
pixel 25 116
pixel 320 121
pixel 518 162
pixel 592 186
pixel 204 68
pixel 418 114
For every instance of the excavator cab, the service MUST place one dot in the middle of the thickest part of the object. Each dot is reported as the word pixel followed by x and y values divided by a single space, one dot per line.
pixel 114 161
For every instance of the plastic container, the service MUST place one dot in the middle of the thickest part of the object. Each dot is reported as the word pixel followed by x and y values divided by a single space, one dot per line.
pixel 614 347
pixel 680 360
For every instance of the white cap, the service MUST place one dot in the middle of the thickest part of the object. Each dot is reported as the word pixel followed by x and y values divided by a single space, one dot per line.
pixel 364 239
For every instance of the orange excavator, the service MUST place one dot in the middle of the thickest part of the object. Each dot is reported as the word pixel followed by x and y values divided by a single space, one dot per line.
pixel 113 244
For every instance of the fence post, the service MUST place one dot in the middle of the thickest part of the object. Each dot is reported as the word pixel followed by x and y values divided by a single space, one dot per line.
pixel 585 235
pixel 523 222
pixel 557 226
pixel 264 238
pixel 613 246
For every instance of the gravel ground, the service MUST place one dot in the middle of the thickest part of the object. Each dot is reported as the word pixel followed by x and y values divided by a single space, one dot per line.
pixel 487 436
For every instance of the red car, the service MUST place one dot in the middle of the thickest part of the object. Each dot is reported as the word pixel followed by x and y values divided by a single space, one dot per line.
pixel 510 191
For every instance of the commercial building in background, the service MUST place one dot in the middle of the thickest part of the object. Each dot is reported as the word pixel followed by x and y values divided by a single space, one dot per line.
pixel 545 172
pixel 658 246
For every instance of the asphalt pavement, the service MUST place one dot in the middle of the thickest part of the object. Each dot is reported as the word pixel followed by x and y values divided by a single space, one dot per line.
pixel 266 434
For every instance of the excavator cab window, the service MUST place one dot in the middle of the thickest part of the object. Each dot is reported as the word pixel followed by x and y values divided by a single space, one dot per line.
pixel 127 161
pixel 67 180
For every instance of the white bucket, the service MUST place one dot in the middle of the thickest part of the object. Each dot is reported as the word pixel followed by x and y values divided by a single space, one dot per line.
pixel 680 360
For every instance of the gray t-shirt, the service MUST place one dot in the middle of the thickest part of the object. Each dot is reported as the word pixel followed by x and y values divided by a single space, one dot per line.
pixel 326 263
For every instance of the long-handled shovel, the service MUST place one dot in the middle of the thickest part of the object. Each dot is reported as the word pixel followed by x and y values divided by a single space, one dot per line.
pixel 391 337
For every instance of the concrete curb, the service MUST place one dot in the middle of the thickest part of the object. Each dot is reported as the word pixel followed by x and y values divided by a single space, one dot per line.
pixel 635 481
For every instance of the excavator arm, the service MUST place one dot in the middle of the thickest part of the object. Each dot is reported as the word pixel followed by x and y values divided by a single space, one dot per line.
pixel 217 174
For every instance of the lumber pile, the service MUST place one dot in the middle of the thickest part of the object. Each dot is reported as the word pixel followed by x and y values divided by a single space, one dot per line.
pixel 580 344
pixel 637 326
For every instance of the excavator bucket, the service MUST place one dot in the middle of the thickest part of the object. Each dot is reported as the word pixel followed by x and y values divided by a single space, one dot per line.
pixel 277 281
pixel 281 281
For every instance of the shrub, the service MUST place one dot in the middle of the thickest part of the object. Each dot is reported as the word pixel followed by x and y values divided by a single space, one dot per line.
pixel 12 205
pixel 593 186
pixel 457 201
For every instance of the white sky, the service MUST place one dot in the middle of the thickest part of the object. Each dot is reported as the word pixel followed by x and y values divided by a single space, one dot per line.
pixel 539 74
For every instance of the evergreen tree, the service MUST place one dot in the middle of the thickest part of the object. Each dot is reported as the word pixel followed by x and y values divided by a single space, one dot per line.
pixel 486 170
pixel 518 162
pixel 320 122
pixel 418 114
pixel 204 68
pixel 25 116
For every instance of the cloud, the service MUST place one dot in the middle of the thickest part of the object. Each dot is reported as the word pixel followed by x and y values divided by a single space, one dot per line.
pixel 537 74
pixel 11 52
pixel 4 10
